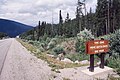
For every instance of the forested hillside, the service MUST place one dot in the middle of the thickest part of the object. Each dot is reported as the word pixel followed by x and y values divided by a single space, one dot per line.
pixel 103 21
pixel 12 28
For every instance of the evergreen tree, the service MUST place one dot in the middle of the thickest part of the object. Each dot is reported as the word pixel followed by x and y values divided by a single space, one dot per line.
pixel 67 18
pixel 91 21
pixel 80 17
pixel 38 30
pixel 101 15
pixel 60 18
pixel 108 16
pixel 60 28
pixel 115 14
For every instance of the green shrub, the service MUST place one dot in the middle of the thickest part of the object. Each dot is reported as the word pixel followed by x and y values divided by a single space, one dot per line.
pixel 57 50
pixel 114 60
pixel 44 37
pixel 115 43
pixel 43 44
pixel 59 39
pixel 51 45
pixel 35 43
pixel 41 48
pixel 85 35
pixel 29 37
pixel 80 46
pixel 82 37
pixel 40 45
pixel 48 39
pixel 31 42
pixel 54 39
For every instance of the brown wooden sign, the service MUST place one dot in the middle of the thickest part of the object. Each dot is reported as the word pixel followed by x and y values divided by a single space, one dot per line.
pixel 97 46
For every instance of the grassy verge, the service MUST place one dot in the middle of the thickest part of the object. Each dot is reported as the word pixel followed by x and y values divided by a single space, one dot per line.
pixel 55 64
pixel 29 47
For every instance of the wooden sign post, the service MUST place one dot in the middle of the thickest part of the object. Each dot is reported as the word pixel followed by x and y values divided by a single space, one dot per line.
pixel 102 56
pixel 97 47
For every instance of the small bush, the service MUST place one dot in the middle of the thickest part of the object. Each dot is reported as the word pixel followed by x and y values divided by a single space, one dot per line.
pixel 48 39
pixel 80 46
pixel 57 50
pixel 41 48
pixel 51 44
pixel 85 35
pixel 44 37
pixel 29 37
pixel 54 39
pixel 82 37
pixel 31 42
pixel 59 39
pixel 40 45
pixel 43 45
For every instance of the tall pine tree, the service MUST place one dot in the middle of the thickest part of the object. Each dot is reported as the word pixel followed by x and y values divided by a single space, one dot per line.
pixel 60 24
pixel 101 16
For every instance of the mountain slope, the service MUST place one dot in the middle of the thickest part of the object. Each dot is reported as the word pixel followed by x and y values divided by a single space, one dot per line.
pixel 12 28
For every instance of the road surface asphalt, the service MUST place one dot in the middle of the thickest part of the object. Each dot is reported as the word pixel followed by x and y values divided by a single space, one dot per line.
pixel 16 63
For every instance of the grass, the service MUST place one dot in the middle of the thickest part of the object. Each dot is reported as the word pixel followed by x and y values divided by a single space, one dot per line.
pixel 53 63
pixel 28 46
pixel 56 64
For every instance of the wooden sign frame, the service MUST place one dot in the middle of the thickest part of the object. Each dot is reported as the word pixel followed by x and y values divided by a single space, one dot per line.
pixel 97 46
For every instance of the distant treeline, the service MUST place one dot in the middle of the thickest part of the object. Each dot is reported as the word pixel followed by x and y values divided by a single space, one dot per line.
pixel 103 21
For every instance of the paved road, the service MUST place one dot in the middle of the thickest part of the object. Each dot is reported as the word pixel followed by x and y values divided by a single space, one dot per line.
pixel 4 48
pixel 16 63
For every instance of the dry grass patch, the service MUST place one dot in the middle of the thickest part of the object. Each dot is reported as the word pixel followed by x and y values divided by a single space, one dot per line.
pixel 56 64
pixel 28 46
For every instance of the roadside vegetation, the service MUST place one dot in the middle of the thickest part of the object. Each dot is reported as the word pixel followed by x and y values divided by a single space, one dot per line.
pixel 49 49
pixel 73 49
pixel 55 64
pixel 114 57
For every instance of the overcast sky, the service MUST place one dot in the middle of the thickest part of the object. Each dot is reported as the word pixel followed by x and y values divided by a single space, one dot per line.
pixel 31 11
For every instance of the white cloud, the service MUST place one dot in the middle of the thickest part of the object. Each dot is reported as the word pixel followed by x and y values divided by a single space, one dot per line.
pixel 30 11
